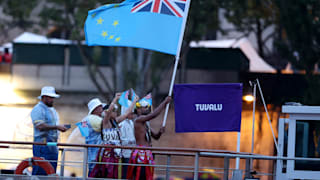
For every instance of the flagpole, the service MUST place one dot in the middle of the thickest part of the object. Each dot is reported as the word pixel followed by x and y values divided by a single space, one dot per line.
pixel 238 150
pixel 176 60
pixel 170 90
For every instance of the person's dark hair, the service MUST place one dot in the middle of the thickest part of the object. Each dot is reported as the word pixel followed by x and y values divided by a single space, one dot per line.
pixel 105 107
pixel 6 50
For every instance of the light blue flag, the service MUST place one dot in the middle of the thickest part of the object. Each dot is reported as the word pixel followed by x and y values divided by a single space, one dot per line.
pixel 83 127
pixel 123 101
pixel 133 95
pixel 148 99
pixel 152 24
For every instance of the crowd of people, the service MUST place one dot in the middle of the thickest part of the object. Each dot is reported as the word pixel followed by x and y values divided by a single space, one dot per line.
pixel 104 125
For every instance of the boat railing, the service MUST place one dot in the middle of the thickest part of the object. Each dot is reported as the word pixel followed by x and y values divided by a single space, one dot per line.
pixel 168 168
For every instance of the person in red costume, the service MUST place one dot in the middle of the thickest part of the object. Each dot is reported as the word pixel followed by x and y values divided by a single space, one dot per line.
pixel 143 134
pixel 6 57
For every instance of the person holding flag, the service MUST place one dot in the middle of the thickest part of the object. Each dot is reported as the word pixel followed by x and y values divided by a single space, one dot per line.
pixel 90 126
pixel 111 136
pixel 143 138
pixel 131 23
pixel 127 129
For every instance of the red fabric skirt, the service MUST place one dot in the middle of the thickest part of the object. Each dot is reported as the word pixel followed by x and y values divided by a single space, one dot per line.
pixel 141 157
pixel 106 155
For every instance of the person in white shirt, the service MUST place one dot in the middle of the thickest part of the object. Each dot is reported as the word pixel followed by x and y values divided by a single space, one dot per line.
pixel 127 137
pixel 45 120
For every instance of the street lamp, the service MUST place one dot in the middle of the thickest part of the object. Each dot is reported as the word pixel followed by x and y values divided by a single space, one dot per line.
pixel 248 98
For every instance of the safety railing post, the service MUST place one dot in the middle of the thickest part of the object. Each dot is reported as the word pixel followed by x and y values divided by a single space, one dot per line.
pixel 167 168
pixel 248 168
pixel 196 166
pixel 226 168
pixel 85 163
pixel 63 157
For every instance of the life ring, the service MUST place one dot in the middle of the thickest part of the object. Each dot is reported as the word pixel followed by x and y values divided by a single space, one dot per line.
pixel 35 161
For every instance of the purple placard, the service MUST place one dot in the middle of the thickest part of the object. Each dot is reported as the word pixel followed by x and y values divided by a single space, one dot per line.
pixel 208 107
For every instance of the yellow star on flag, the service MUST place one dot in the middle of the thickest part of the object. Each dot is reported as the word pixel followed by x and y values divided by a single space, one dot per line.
pixel 116 5
pixel 104 34
pixel 117 39
pixel 111 36
pixel 115 23
pixel 93 15
pixel 100 20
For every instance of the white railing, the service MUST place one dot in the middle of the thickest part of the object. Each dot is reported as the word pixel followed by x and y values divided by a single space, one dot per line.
pixel 168 168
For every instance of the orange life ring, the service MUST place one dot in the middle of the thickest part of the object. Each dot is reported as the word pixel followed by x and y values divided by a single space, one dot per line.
pixel 35 161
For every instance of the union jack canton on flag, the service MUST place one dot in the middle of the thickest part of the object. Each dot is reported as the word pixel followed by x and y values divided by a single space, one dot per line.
pixel 149 24
pixel 169 7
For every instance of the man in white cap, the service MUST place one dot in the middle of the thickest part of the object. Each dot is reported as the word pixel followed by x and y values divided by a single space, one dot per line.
pixel 45 120
pixel 93 121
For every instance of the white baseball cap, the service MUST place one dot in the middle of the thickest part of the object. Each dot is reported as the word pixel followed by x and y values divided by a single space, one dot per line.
pixel 48 91
pixel 94 103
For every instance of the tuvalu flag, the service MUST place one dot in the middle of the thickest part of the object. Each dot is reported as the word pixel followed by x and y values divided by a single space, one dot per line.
pixel 208 107
pixel 147 98
pixel 149 24
pixel 83 127
pixel 124 98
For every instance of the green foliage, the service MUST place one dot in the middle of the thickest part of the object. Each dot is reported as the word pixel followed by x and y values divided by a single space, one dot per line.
pixel 251 16
pixel 68 15
pixel 202 18
pixel 244 14
pixel 300 41
pixel 19 11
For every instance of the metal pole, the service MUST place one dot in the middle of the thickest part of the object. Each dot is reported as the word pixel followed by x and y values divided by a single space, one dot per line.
pixel 226 168
pixel 238 150
pixel 265 108
pixel 196 166
pixel 63 158
pixel 248 167
pixel 183 25
pixel 85 163
pixel 65 74
pixel 170 90
pixel 279 166
pixel 168 169
pixel 253 119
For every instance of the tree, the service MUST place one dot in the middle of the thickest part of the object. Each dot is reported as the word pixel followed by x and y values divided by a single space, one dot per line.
pixel 251 16
pixel 299 41
pixel 131 67
pixel 16 14
pixel 202 21
pixel 69 17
